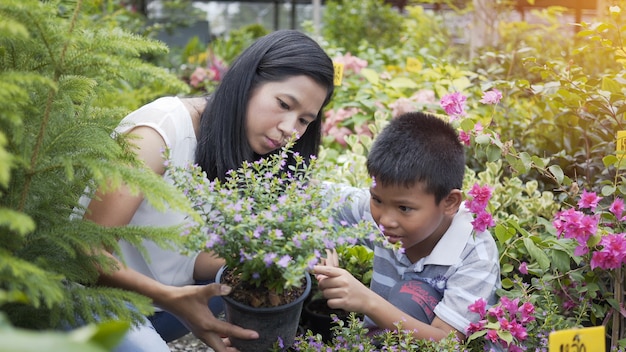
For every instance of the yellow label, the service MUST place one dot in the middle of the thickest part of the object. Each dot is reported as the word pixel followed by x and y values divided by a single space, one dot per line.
pixel 620 146
pixel 338 73
pixel 413 64
pixel 577 340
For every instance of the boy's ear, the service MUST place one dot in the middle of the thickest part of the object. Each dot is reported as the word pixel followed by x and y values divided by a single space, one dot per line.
pixel 453 201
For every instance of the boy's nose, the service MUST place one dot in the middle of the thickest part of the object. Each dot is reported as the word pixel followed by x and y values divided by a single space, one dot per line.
pixel 387 221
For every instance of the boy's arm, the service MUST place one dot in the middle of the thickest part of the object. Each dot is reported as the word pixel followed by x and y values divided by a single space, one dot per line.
pixel 352 203
pixel 344 291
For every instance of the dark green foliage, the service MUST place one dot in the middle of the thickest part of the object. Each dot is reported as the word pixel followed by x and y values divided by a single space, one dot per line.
pixel 348 23
pixel 65 83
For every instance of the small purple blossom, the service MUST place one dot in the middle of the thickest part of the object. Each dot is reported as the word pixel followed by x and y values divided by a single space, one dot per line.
pixel 268 259
pixel 284 261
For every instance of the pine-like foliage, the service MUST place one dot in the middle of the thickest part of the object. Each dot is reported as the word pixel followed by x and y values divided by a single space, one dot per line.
pixel 62 78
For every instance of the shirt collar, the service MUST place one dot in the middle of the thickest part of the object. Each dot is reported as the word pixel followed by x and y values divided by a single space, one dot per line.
pixel 449 248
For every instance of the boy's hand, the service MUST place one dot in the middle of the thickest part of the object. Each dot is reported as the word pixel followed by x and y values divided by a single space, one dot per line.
pixel 342 290
pixel 332 259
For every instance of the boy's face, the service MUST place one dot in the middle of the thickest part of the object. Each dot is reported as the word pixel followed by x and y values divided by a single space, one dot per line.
pixel 409 215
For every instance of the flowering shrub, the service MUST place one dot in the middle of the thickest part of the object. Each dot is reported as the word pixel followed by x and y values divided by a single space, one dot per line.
pixel 503 325
pixel 269 224
pixel 351 336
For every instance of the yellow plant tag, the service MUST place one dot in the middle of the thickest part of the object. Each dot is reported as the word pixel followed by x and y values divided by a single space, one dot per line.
pixel 620 146
pixel 413 64
pixel 577 340
pixel 338 73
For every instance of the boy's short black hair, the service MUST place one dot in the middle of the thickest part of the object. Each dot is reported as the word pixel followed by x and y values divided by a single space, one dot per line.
pixel 418 147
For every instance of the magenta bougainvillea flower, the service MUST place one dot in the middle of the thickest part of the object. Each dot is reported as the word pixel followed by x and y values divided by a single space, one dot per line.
pixel 589 200
pixel 506 323
pixel 477 204
pixel 454 105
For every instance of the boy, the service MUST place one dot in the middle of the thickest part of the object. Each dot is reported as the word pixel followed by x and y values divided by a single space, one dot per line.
pixel 417 164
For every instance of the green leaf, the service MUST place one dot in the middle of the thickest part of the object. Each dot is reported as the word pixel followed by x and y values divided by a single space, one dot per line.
pixel 557 172
pixel 402 82
pixel 537 254
pixel 611 85
pixel 608 190
pixel 370 75
pixel 609 160
pixel 493 152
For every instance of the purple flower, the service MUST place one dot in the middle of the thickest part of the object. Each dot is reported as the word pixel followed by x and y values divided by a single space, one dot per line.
pixel 284 261
pixel 269 259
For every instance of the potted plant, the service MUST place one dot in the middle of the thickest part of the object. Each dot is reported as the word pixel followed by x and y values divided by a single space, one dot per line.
pixel 270 225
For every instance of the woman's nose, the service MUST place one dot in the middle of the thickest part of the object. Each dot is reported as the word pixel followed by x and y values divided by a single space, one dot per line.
pixel 288 126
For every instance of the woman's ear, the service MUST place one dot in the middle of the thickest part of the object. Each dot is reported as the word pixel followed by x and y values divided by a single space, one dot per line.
pixel 453 201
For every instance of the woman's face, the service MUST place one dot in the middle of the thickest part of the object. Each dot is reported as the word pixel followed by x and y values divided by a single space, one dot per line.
pixel 278 109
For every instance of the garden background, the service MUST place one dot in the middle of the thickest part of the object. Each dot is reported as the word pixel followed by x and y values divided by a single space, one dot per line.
pixel 547 153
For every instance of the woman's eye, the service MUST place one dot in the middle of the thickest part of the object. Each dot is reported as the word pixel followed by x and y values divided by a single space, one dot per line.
pixel 283 105
pixel 305 122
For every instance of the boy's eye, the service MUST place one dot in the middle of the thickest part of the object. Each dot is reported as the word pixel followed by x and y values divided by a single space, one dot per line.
pixel 404 209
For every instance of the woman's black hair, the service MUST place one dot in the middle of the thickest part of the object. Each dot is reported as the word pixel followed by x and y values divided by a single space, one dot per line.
pixel 222 144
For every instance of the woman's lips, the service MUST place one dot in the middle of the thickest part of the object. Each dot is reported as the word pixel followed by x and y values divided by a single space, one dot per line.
pixel 273 144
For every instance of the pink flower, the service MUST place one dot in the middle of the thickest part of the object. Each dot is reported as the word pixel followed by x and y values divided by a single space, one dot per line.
pixel 491 97
pixel 523 268
pixel 339 134
pixel 454 104
pixel 492 335
pixel 464 138
pixel 479 306
pixel 617 208
pixel 351 63
pixel 480 196
pixel 363 129
pixel 589 200
pixel 612 254
pixel 401 106
pixel 335 118
pixel 482 221
pixel 198 76
pixel 574 224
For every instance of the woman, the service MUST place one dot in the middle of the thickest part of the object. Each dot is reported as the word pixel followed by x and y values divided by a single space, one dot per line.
pixel 276 87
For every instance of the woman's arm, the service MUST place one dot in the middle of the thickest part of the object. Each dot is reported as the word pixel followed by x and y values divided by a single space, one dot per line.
pixel 189 303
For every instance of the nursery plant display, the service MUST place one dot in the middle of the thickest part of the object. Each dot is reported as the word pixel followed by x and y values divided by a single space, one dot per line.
pixel 541 113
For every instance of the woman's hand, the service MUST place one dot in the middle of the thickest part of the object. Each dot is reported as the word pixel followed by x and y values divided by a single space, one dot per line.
pixel 190 305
